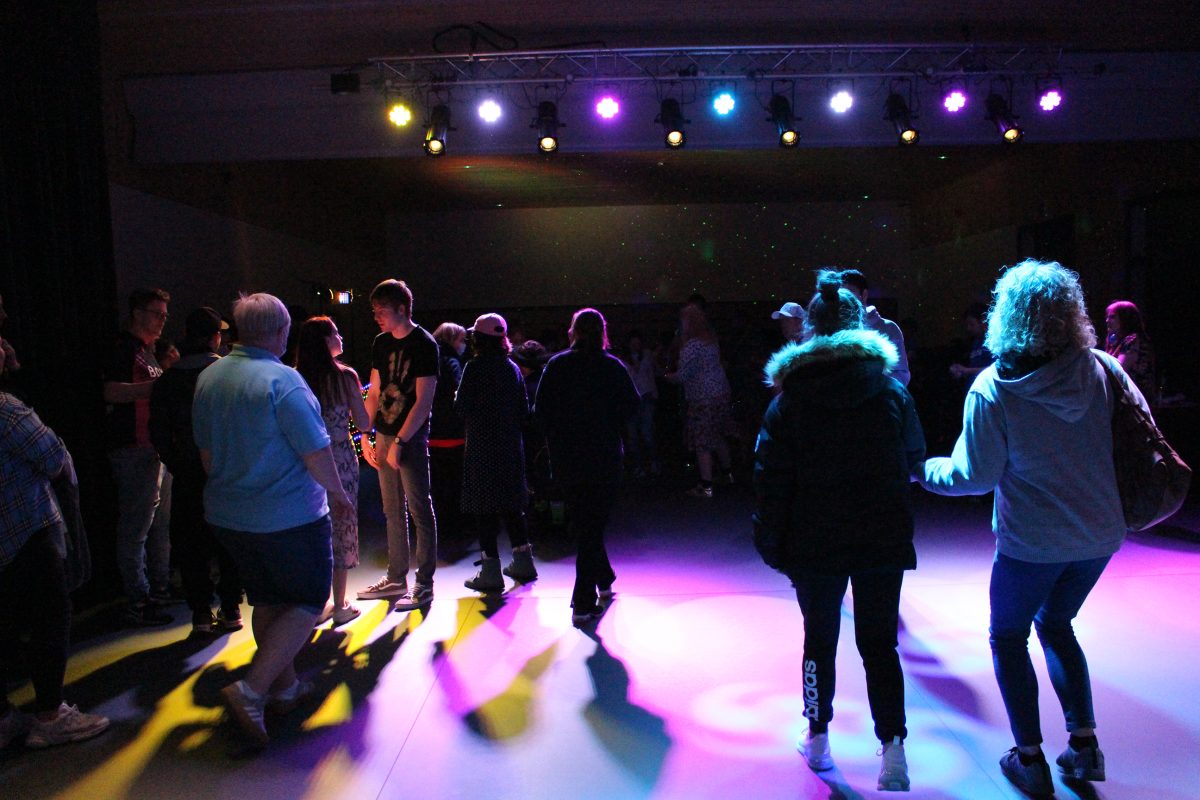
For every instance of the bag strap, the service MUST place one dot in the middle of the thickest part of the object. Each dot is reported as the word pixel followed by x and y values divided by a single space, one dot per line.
pixel 1118 388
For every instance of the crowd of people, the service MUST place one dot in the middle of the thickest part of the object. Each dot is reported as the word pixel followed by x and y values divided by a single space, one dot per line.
pixel 223 455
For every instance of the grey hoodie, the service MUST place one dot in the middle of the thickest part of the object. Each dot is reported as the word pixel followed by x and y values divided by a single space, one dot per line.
pixel 1044 443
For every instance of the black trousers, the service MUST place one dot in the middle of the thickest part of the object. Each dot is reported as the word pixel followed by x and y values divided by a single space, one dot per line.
pixel 445 489
pixel 194 547
pixel 34 600
pixel 876 620
pixel 488 526
pixel 588 509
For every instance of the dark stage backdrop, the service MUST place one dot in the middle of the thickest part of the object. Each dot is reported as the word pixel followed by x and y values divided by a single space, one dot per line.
pixel 56 272
pixel 505 258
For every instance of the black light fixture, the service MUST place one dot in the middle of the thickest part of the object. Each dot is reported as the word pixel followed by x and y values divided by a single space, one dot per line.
pixel 671 118
pixel 785 122
pixel 435 134
pixel 1000 115
pixel 344 82
pixel 547 126
pixel 897 113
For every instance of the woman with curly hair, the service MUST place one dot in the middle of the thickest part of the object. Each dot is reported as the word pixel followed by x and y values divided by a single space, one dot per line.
pixel 1037 430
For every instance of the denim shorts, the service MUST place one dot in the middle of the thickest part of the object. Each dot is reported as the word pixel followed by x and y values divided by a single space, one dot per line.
pixel 292 567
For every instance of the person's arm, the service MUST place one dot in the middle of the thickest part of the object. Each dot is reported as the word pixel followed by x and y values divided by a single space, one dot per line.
pixel 321 467
pixel 426 387
pixel 27 438
pixel 206 460
pixel 371 405
pixel 979 455
pixel 900 372
pixel 774 481
pixel 358 409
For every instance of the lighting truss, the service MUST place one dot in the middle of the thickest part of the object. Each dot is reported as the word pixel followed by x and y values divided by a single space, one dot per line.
pixel 933 62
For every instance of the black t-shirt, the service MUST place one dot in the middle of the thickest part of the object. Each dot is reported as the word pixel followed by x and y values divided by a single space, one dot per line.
pixel 399 363
pixel 130 361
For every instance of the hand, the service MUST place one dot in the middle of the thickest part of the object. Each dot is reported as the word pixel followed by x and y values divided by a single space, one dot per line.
pixel 10 357
pixel 393 456
pixel 342 502
pixel 956 370
pixel 368 451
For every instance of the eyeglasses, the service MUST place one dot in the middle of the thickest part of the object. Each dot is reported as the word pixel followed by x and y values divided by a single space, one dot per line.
pixel 156 314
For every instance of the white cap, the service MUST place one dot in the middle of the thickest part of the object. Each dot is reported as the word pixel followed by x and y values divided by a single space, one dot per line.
pixel 793 310
pixel 490 325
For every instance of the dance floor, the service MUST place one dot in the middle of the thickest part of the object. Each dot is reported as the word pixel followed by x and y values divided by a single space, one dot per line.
pixel 689 687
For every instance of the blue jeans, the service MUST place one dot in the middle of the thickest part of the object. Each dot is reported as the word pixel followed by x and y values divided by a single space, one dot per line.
pixel 1047 596
pixel 143 548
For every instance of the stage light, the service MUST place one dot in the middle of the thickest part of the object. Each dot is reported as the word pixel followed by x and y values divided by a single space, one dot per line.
pixel 785 123
pixel 1001 116
pixel 723 103
pixel 955 101
pixel 897 113
pixel 671 118
pixel 399 115
pixel 490 111
pixel 1050 100
pixel 547 125
pixel 841 101
pixel 435 134
pixel 607 107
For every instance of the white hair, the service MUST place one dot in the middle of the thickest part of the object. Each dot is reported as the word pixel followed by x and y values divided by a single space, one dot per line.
pixel 260 317
pixel 1038 310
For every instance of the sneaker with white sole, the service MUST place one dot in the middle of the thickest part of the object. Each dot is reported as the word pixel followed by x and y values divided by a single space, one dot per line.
pixel 71 725
pixel 383 588
pixel 418 596
pixel 1086 764
pixel 700 490
pixel 815 749
pixel 286 700
pixel 893 773
pixel 13 726
pixel 345 614
pixel 246 707
pixel 1032 778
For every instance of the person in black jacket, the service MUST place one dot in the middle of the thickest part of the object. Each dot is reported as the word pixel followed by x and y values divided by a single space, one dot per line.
pixel 192 540
pixel 446 441
pixel 584 401
pixel 492 403
pixel 832 468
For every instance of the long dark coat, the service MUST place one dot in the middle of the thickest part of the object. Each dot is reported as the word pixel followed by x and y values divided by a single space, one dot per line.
pixel 492 403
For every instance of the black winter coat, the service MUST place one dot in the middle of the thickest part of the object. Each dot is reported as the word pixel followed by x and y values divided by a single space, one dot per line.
pixel 833 459
pixel 492 403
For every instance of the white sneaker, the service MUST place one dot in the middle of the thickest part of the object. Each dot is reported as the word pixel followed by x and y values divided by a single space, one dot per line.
pixel 383 588
pixel 71 725
pixel 815 749
pixel 893 773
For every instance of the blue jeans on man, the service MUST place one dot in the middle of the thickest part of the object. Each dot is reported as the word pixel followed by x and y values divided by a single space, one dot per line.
pixel 1047 596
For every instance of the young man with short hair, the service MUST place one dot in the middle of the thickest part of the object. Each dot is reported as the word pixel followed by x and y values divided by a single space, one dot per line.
pixel 404 370
pixel 856 282
pixel 143 549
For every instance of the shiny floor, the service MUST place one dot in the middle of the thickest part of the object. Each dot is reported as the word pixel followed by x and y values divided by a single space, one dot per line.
pixel 688 687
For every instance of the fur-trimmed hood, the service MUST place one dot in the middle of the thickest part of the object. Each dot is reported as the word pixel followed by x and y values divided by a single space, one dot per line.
pixel 843 368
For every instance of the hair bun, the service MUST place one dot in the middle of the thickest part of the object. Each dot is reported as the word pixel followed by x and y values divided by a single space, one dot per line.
pixel 828 286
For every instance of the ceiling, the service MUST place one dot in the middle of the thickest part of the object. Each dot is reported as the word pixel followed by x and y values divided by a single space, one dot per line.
pixel 343 201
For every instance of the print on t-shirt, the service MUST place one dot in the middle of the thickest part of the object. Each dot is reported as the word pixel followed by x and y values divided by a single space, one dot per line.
pixel 399 363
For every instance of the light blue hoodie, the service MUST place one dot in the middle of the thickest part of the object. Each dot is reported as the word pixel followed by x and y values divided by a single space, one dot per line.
pixel 1044 443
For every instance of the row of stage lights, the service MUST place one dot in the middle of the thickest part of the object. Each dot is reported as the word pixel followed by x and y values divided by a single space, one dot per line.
pixel 897 112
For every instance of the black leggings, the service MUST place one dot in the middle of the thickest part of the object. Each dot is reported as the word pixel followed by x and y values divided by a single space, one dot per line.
pixel 488 526
pixel 34 600
pixel 876 621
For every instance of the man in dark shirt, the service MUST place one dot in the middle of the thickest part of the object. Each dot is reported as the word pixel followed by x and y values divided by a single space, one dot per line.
pixel 143 549
pixel 404 370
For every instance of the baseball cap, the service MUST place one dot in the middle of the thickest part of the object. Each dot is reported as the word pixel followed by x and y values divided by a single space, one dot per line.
pixel 202 323
pixel 490 325
pixel 793 310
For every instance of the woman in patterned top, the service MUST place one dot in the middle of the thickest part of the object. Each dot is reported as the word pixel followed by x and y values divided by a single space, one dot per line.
pixel 1128 343
pixel 338 389
pixel 706 390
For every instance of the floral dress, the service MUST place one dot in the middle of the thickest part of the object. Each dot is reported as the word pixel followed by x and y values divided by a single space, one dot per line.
pixel 345 523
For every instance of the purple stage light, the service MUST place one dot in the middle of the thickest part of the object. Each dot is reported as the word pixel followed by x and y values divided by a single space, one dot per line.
pixel 955 101
pixel 1050 100
pixel 607 107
